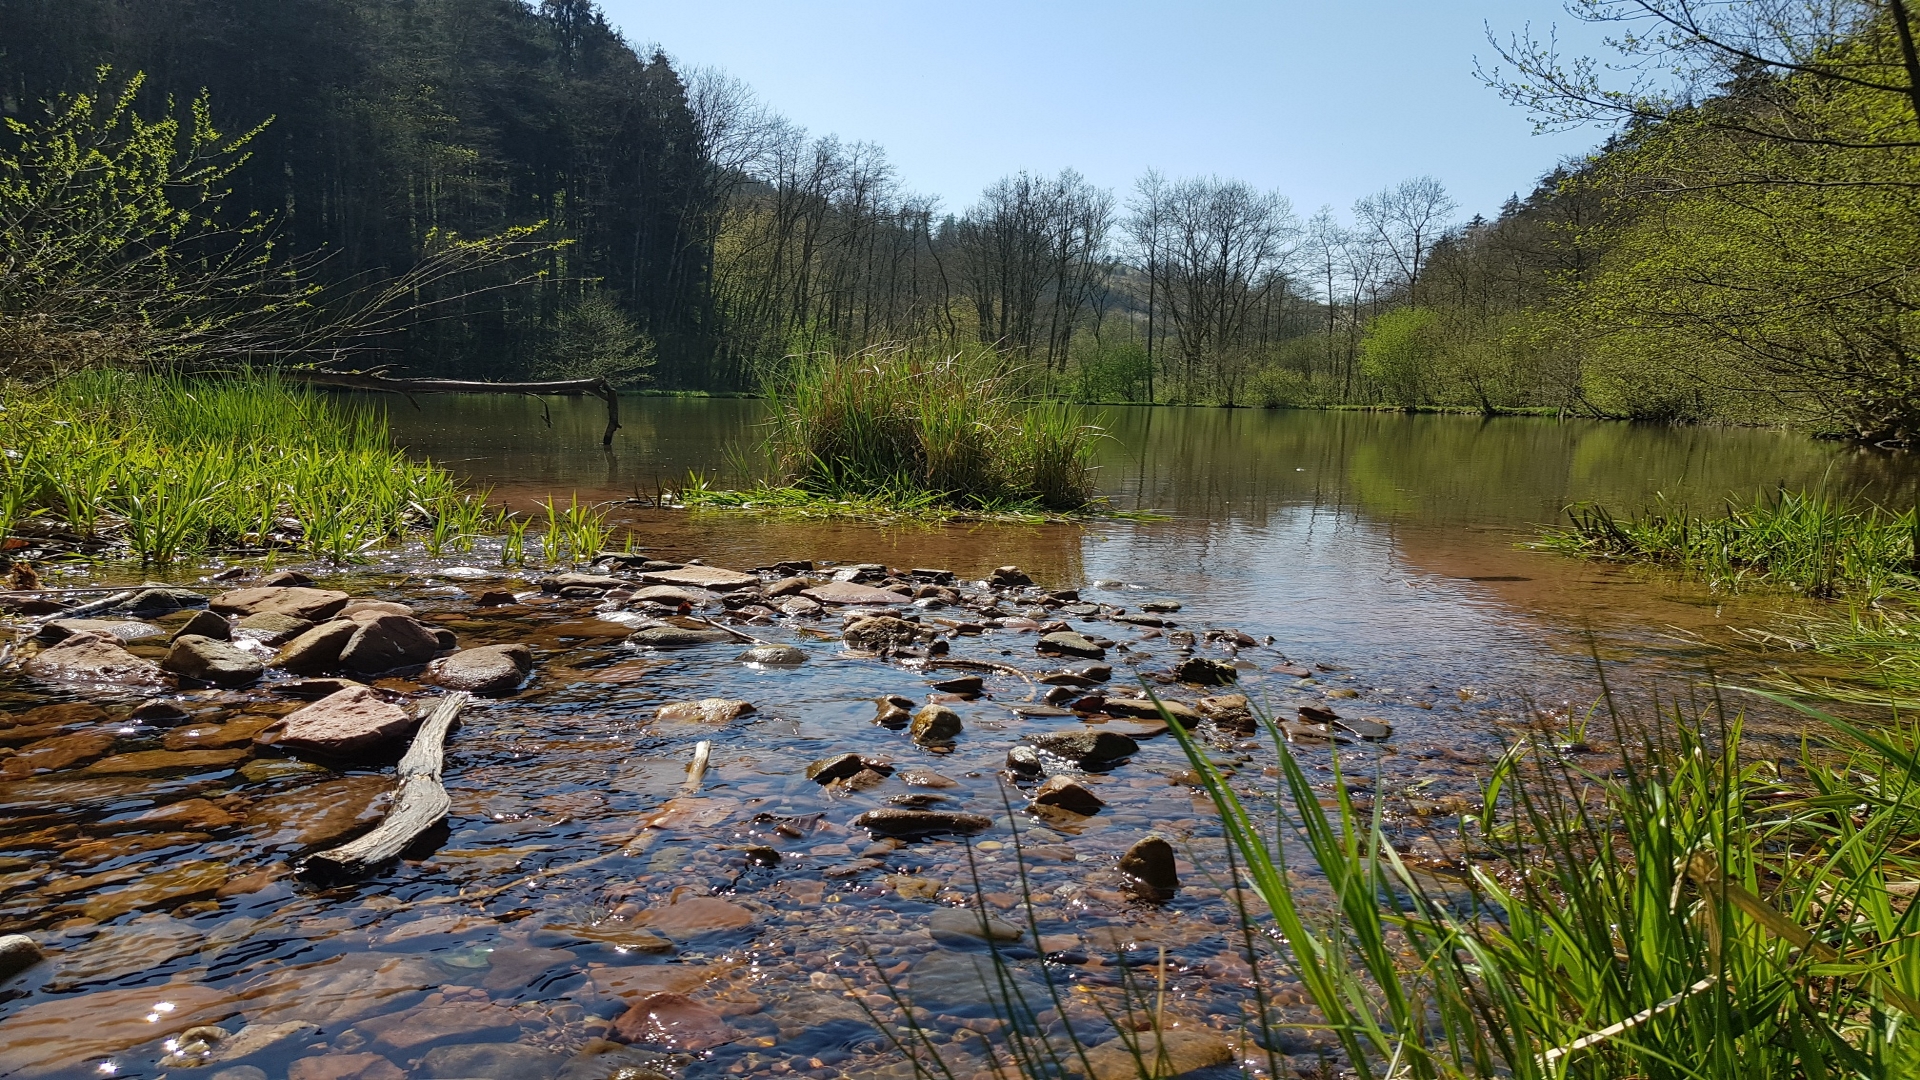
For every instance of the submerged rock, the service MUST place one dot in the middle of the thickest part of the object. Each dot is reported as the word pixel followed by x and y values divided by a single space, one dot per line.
pixel 351 723
pixel 892 821
pixel 1167 1054
pixel 673 1021
pixel 493 1061
pixel 121 630
pixel 488 669
pixel 89 657
pixel 676 637
pixel 848 593
pixel 705 711
pixel 711 578
pixel 971 924
pixel 211 661
pixel 773 655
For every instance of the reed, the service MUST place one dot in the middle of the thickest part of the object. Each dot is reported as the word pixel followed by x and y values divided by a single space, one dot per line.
pixel 160 469
pixel 901 422
pixel 1809 543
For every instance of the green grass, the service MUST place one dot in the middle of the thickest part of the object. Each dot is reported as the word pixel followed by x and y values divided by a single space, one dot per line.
pixel 162 469
pixel 1807 543
pixel 904 425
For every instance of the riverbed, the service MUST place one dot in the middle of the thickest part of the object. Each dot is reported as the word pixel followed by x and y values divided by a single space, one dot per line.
pixel 1372 564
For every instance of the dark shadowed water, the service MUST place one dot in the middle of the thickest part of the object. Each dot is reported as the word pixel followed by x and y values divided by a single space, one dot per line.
pixel 1379 554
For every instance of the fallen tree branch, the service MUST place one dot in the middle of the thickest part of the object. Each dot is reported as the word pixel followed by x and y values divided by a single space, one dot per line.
pixel 420 803
pixel 357 380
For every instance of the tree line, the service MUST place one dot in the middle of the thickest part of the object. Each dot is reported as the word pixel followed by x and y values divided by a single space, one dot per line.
pixel 1739 248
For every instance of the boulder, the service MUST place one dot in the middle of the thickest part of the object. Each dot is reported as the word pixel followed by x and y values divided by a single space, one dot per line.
pixel 1205 672
pixel 488 669
pixel 351 723
pixel 935 725
pixel 711 578
pixel 317 649
pixel 272 628
pixel 880 632
pixel 846 592
pixel 207 625
pixel 667 636
pixel 773 655
pixel 1066 793
pixel 298 601
pixel 90 657
pixel 1149 863
pixel 705 711
pixel 1068 643
pixel 211 661
pixel 383 642
pixel 904 823
pixel 1087 749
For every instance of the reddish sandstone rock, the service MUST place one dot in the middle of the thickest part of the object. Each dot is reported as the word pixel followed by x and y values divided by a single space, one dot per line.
pixel 674 1021
pixel 89 657
pixel 350 723
pixel 489 669
pixel 312 605
pixel 385 641
pixel 59 752
pixel 317 649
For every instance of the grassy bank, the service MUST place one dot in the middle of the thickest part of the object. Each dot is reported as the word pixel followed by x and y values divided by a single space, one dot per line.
pixel 159 469
pixel 1811 544
pixel 915 431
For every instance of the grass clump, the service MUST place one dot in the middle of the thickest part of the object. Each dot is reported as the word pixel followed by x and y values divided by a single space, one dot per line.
pixel 1812 544
pixel 903 425
pixel 162 468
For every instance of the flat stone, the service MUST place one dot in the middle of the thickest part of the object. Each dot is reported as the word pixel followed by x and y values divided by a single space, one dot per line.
pixel 187 815
pixel 1144 709
pixel 344 1067
pixel 706 710
pixel 145 762
pixel 1205 672
pixel 209 660
pixel 1366 728
pixel 487 669
pixel 1163 607
pixel 842 766
pixel 339 990
pixel 312 605
pixel 773 656
pixel 121 630
pixel 1149 862
pixel 674 596
pixel 490 1061
pixel 318 649
pixel 971 924
pixel 90 657
pixel 962 684
pixel 58 752
pixel 163 888
pixel 602 582
pixel 879 632
pixel 1068 643
pixel 676 637
pixel 271 628
pixel 149 603
pixel 75 1031
pixel 1085 748
pixel 314 689
pixel 350 723
pixel 893 821
pixel 846 592
pixel 1066 793
pixel 384 641
pixel 319 814
pixel 935 725
pixel 712 578
pixel 673 1022
pixel 1161 1056
pixel 254 1038
pixel 695 915
pixel 240 731
pixel 431 1023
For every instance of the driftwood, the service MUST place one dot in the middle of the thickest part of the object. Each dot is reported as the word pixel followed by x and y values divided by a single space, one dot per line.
pixel 355 380
pixel 420 803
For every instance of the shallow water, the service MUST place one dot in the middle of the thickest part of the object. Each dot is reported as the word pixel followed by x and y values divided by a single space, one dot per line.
pixel 1379 552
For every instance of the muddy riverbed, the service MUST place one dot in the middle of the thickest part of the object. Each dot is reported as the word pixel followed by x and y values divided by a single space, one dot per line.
pixel 588 911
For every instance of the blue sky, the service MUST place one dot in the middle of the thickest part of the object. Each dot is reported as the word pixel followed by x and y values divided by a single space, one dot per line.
pixel 1322 101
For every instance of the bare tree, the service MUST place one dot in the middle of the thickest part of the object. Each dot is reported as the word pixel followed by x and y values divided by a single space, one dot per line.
pixel 1407 219
pixel 1227 244
pixel 1031 251
pixel 1146 227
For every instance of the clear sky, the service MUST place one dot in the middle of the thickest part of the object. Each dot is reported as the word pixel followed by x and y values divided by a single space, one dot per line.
pixel 1325 101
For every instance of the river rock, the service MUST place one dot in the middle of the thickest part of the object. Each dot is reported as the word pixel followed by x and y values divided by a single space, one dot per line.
pixel 935 725
pixel 89 1027
pixel 848 593
pixel 57 752
pixel 207 625
pixel 1068 643
pixel 317 649
pixel 254 1038
pixel 1145 709
pixel 597 582
pixel 677 637
pixel 675 1022
pixel 879 632
pixel 362 608
pixel 773 655
pixel 351 723
pixel 1366 728
pixel 18 952
pixel 487 669
pixel 693 915
pixel 1066 793
pixel 841 766
pixel 969 685
pixel 383 642
pixel 149 603
pixel 344 1067
pixel 893 821
pixel 313 605
pixel 121 630
pixel 971 924
pixel 674 596
pixel 705 711
pixel 1162 607
pixel 1161 1056
pixel 1024 761
pixel 90 657
pixel 490 1061
pixel 1009 577
pixel 1205 672
pixel 281 578
pixel 271 628
pixel 1087 749
pixel 211 661
pixel 1149 863
pixel 1230 711
pixel 711 578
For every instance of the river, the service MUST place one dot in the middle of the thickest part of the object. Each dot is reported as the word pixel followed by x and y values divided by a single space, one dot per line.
pixel 1381 555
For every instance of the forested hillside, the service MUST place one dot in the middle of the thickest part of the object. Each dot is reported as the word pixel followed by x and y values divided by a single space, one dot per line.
pixel 1740 249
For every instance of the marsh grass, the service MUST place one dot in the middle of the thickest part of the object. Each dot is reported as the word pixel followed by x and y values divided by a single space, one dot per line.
pixel 575 534
pixel 905 424
pixel 1808 543
pixel 160 469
